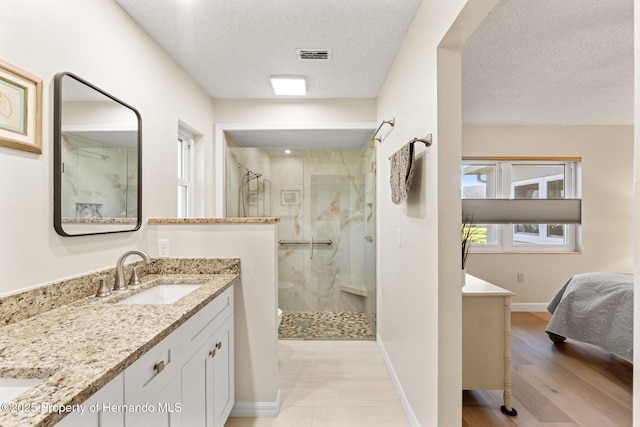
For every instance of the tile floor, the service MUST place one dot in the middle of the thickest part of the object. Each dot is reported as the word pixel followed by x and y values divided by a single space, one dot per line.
pixel 332 384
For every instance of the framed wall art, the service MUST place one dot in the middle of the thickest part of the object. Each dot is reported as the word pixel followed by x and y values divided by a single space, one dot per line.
pixel 20 109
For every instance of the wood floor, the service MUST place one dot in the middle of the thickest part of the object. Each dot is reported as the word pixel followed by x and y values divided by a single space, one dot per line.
pixel 346 384
pixel 560 385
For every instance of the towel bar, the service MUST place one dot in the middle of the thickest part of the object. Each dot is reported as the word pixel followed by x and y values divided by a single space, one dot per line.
pixel 427 140
pixel 391 122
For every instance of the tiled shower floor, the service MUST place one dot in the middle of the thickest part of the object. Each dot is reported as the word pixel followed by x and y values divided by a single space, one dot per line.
pixel 317 325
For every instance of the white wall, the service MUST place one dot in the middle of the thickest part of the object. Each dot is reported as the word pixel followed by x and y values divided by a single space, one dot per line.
pixel 419 298
pixel 97 41
pixel 256 361
pixel 294 110
pixel 607 204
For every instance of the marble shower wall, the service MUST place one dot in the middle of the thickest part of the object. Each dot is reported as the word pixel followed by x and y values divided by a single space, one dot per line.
pixel 96 180
pixel 326 194
pixel 256 197
pixel 329 188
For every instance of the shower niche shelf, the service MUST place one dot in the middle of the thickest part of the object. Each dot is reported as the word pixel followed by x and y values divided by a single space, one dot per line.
pixel 354 289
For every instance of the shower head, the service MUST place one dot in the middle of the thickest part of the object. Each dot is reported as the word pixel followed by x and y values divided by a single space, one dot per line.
pixel 250 174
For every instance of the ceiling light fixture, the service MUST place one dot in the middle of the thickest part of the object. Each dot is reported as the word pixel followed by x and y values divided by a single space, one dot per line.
pixel 287 151
pixel 289 85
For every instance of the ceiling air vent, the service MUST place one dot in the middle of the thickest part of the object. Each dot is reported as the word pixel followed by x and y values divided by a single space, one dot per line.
pixel 314 54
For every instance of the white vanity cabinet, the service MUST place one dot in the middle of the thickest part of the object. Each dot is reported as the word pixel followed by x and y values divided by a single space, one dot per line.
pixel 163 410
pixel 149 382
pixel 486 339
pixel 109 397
pixel 186 380
pixel 224 374
pixel 208 375
pixel 207 380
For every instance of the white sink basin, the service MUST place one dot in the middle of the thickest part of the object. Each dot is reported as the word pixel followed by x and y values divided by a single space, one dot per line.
pixel 10 388
pixel 160 294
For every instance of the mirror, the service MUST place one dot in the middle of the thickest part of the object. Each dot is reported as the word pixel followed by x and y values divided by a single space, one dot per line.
pixel 97 160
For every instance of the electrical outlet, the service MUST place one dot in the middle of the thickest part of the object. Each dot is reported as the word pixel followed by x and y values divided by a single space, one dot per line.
pixel 163 248
pixel 520 277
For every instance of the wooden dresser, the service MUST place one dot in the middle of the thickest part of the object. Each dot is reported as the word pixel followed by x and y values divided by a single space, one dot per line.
pixel 486 338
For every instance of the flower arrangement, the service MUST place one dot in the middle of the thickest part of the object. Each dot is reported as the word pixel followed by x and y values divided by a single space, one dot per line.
pixel 467 232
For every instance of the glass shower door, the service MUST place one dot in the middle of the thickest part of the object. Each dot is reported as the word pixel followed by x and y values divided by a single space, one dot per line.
pixel 326 288
pixel 334 235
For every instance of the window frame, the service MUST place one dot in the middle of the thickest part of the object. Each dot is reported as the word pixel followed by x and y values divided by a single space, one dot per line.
pixel 543 229
pixel 185 173
pixel 504 234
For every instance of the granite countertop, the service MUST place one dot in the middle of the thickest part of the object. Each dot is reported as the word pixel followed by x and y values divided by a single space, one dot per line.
pixel 92 220
pixel 80 346
pixel 174 221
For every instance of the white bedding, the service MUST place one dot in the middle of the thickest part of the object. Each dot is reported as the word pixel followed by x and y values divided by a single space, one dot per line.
pixel 596 308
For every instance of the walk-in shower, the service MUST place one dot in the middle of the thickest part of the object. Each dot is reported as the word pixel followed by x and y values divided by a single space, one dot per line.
pixel 325 200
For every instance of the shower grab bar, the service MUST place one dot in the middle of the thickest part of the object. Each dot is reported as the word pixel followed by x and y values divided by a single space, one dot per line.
pixel 305 242
pixel 309 242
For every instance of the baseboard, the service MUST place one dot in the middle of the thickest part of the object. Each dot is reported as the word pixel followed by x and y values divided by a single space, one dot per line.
pixel 257 409
pixel 517 307
pixel 396 382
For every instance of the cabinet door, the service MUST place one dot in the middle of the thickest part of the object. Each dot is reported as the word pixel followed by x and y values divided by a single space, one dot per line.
pixel 208 380
pixel 161 411
pixel 223 373
pixel 150 374
pixel 197 387
pixel 483 335
pixel 108 397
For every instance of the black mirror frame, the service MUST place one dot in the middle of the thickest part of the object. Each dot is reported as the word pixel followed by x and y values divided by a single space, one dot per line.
pixel 57 156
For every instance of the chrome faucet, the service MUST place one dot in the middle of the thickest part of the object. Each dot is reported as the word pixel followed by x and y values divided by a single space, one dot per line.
pixel 120 282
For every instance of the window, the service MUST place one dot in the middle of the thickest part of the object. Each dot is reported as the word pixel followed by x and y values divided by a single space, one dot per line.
pixel 185 174
pixel 522 179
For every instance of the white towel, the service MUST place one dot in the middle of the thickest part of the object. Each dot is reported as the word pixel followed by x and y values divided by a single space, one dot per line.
pixel 401 173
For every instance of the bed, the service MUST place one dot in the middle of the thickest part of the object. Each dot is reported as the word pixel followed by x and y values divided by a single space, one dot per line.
pixel 595 308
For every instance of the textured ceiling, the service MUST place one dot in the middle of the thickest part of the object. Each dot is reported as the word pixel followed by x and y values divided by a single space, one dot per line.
pixel 232 47
pixel 566 62
pixel 530 62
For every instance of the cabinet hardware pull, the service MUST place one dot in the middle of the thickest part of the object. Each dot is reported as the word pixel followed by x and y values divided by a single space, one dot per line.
pixel 212 353
pixel 159 367
pixel 219 345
